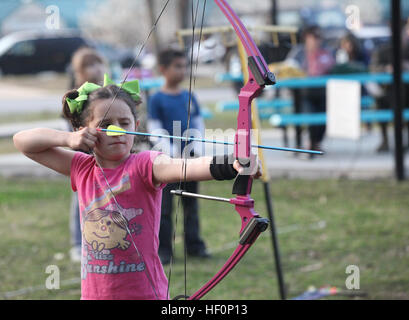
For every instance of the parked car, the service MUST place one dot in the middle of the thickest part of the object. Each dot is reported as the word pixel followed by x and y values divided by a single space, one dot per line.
pixel 123 56
pixel 30 52
pixel 33 52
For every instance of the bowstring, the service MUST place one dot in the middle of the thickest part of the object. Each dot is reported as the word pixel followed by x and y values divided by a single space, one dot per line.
pixel 153 28
pixel 192 83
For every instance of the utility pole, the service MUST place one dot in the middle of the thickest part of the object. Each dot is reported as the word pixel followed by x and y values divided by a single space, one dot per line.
pixel 397 88
pixel 274 12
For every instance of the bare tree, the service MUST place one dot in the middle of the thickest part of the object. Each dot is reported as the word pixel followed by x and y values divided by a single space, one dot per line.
pixel 119 22
pixel 128 22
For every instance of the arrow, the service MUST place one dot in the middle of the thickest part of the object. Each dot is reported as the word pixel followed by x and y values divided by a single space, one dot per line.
pixel 118 131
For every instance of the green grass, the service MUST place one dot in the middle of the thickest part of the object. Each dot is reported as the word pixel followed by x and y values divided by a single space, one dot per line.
pixel 366 224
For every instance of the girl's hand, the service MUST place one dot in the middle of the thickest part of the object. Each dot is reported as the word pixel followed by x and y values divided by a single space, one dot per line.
pixel 255 169
pixel 84 139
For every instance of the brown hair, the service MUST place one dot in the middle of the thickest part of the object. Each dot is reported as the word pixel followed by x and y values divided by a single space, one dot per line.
pixel 313 30
pixel 84 57
pixel 82 118
pixel 166 57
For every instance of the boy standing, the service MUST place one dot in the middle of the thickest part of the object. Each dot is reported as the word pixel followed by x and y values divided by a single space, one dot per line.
pixel 167 110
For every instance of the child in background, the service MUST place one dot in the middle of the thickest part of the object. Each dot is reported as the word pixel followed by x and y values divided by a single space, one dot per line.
pixel 167 110
pixel 86 65
pixel 119 192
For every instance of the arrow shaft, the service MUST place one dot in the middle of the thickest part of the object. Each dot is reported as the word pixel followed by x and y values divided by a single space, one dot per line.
pixel 188 139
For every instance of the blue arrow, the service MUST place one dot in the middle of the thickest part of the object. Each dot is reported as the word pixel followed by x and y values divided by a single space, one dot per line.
pixel 187 139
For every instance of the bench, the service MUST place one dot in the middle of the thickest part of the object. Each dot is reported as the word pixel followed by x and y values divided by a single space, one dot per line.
pixel 321 81
pixel 299 119
pixel 296 84
pixel 275 104
pixel 206 113
pixel 151 83
pixel 267 108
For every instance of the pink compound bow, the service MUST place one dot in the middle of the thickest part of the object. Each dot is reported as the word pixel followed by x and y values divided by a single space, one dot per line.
pixel 251 223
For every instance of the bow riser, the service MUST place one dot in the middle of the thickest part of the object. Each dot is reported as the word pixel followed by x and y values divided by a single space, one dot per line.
pixel 243 139
pixel 242 149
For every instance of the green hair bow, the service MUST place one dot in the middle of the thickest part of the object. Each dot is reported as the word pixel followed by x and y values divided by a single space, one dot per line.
pixel 76 105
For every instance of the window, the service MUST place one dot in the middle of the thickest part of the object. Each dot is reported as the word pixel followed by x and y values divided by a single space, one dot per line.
pixel 24 49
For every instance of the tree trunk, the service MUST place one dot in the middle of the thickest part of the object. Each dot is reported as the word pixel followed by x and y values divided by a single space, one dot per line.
pixel 152 17
pixel 184 13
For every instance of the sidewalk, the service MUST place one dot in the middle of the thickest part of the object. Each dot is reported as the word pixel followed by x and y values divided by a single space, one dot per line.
pixel 342 158
pixel 9 130
pixel 16 164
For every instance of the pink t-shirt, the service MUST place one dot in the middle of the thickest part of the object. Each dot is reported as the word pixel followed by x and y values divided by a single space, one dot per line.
pixel 111 266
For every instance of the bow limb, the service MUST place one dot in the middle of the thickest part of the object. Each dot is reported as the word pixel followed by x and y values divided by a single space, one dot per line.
pixel 231 262
pixel 251 227
pixel 256 60
pixel 259 77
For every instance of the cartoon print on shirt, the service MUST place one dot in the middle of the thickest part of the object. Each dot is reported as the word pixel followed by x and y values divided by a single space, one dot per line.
pixel 107 229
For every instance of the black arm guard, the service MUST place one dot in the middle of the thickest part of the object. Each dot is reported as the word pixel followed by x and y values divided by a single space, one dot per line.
pixel 221 167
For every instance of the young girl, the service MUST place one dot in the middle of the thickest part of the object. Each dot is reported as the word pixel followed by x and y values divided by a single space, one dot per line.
pixel 119 192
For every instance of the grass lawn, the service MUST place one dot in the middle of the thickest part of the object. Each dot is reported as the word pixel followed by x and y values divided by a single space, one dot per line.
pixel 323 226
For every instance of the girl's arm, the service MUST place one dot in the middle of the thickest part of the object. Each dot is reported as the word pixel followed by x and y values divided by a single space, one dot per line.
pixel 46 146
pixel 169 170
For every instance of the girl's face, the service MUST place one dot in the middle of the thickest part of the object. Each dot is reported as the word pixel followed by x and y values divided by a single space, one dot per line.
pixel 92 73
pixel 113 148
